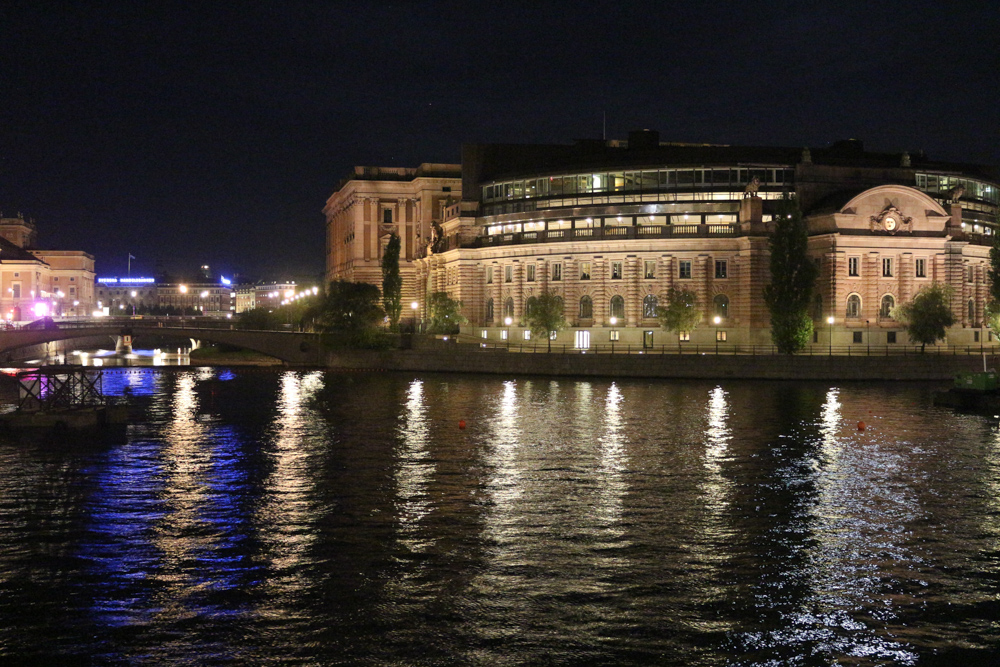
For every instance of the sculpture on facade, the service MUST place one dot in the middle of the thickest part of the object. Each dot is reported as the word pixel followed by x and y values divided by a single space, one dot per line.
pixel 751 189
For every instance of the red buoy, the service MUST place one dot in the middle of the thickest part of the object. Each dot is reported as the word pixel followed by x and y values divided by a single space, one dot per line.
pixel 461 423
pixel 861 426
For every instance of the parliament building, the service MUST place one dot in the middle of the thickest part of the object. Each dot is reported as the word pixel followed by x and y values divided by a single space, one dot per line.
pixel 611 226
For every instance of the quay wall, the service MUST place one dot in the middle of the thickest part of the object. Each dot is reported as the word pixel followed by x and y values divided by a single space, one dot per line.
pixel 457 359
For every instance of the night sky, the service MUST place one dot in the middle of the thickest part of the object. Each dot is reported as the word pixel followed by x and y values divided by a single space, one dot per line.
pixel 187 134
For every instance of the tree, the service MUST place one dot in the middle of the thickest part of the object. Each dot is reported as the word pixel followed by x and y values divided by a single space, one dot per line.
pixel 350 306
pixel 392 283
pixel 993 306
pixel 793 275
pixel 445 316
pixel 545 316
pixel 681 312
pixel 257 319
pixel 927 315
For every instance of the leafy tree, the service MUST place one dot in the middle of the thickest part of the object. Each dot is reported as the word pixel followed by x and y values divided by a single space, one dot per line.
pixel 350 306
pixel 681 312
pixel 392 283
pixel 445 316
pixel 545 316
pixel 257 319
pixel 993 306
pixel 927 315
pixel 793 275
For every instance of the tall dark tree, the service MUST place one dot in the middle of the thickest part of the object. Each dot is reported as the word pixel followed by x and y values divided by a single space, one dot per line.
pixel 993 306
pixel 351 307
pixel 545 316
pixel 392 283
pixel 927 315
pixel 793 275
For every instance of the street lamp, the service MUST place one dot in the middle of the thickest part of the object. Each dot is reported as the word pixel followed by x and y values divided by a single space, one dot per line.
pixel 413 309
pixel 829 321
pixel 133 303
pixel 717 320
pixel 614 321
pixel 507 322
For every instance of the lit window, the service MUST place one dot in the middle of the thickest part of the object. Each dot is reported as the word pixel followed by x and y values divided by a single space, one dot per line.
pixel 887 267
pixel 616 270
pixel 557 271
pixel 527 334
pixel 508 274
pixel 649 305
pixel 489 275
pixel 613 335
pixel 584 270
pixel 854 266
pixel 650 270
pixel 683 335
pixel 720 336
pixel 531 273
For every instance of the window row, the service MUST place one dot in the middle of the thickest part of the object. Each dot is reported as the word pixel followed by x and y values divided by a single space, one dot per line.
pixel 888 267
pixel 635 181
pixel 886 306
pixel 616 307
pixel 617 271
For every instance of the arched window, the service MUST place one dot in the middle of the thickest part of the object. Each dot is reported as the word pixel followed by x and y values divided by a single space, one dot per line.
pixel 586 308
pixel 817 310
pixel 649 306
pixel 489 310
pixel 508 307
pixel 854 306
pixel 972 311
pixel 529 305
pixel 720 305
pixel 885 309
pixel 618 307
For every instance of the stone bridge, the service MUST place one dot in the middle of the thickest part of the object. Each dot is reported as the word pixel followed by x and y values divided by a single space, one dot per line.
pixel 293 348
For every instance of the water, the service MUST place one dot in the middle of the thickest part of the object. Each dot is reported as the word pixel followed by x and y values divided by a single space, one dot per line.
pixel 279 517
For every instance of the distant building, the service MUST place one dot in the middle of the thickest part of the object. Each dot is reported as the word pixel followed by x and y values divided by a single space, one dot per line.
pixel 264 295
pixel 128 295
pixel 376 202
pixel 34 282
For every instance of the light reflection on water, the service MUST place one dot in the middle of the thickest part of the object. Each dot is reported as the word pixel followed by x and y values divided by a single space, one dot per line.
pixel 305 517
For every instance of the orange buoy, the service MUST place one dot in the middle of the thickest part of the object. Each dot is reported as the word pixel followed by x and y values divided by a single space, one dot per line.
pixel 461 423
pixel 861 426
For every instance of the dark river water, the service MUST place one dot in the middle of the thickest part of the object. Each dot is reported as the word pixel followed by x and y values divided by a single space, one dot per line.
pixel 277 517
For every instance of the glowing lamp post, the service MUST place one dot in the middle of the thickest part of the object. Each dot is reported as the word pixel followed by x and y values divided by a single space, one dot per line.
pixel 507 321
pixel 614 321
pixel 829 321
pixel 413 310
pixel 718 321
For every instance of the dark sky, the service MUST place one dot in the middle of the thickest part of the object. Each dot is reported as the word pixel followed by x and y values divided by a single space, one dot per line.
pixel 187 134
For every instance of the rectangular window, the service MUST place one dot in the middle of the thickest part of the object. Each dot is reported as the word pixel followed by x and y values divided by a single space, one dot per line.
pixel 531 273
pixel 854 266
pixel 614 334
pixel 584 270
pixel 721 268
pixel 650 269
pixel 582 340
pixel 503 334
pixel 887 267
pixel 975 336
pixel 489 275
pixel 557 271
pixel 890 336
pixel 857 336
pixel 15 290
pixel 920 268
pixel 720 336
pixel 684 267
pixel 387 216
pixel 485 333
pixel 508 273
pixel 616 270
pixel 683 335
pixel 527 334
pixel 970 274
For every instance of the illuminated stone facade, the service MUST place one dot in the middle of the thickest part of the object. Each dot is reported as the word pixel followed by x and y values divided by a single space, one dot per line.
pixel 610 227
pixel 35 283
pixel 376 202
